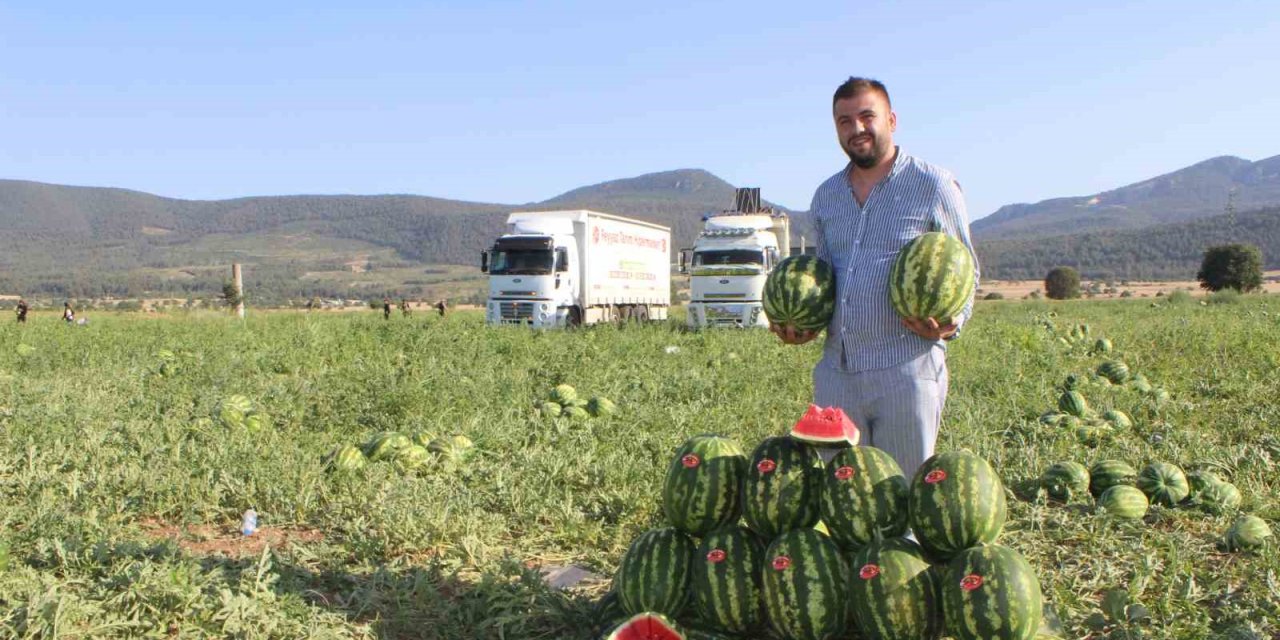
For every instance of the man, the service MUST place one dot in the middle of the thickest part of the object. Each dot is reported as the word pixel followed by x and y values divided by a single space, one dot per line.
pixel 404 307
pixel 22 310
pixel 441 307
pixel 68 314
pixel 888 374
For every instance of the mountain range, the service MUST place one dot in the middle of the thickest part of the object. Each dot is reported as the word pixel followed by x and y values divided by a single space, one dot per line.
pixel 91 241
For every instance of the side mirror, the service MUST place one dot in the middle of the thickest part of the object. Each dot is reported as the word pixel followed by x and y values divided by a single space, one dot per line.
pixel 484 262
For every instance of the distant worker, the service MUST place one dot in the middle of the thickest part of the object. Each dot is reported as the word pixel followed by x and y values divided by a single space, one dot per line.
pixel 68 314
pixel 404 307
pixel 22 310
pixel 441 307
pixel 386 308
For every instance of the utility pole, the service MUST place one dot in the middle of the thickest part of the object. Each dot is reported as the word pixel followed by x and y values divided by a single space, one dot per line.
pixel 239 285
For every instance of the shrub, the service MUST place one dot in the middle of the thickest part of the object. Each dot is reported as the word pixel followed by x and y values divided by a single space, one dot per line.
pixel 1178 297
pixel 994 295
pixel 1231 266
pixel 1062 283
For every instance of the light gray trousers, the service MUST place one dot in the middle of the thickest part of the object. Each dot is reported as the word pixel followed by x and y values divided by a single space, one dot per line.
pixel 897 409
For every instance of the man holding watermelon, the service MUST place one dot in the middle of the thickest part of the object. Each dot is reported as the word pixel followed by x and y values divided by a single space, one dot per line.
pixel 884 364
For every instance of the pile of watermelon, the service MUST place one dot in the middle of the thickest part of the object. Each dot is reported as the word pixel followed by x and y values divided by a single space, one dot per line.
pixel 238 412
pixel 777 543
pixel 563 401
pixel 409 453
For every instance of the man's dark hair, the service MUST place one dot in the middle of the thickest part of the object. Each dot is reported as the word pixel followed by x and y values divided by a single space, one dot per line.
pixel 855 85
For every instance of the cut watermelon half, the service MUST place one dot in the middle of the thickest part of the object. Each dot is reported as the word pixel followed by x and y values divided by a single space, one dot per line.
pixel 827 427
pixel 647 626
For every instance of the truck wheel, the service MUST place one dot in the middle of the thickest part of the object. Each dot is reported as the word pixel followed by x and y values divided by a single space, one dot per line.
pixel 641 313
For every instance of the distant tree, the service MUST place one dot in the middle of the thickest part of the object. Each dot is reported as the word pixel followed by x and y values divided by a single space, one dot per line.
pixel 1231 266
pixel 1062 283
pixel 230 295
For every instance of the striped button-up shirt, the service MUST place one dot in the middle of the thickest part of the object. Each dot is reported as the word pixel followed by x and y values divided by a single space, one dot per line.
pixel 861 243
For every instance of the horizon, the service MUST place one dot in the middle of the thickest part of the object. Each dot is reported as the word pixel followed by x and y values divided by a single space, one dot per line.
pixel 505 104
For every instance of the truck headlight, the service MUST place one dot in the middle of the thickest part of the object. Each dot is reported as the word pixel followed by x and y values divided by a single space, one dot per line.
pixel 544 306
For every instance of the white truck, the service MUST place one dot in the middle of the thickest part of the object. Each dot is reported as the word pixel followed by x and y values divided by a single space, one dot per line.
pixel 731 259
pixel 580 267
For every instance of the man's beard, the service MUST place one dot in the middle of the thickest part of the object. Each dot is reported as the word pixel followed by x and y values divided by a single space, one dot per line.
pixel 871 158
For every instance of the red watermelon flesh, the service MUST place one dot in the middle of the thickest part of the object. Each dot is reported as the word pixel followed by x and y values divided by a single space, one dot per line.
pixel 647 626
pixel 828 427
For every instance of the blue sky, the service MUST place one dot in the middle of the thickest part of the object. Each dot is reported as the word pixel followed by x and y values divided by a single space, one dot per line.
pixel 516 102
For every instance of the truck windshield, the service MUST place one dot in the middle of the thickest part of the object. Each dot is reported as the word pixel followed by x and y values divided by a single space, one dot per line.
pixel 529 262
pixel 727 257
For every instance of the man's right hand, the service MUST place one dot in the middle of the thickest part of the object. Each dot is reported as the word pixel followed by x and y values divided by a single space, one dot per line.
pixel 791 335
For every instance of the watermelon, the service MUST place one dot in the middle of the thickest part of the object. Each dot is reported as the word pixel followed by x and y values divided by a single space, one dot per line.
pixel 452 448
pixel 423 438
pixel 782 487
pixel 647 626
pixel 1072 402
pixel 256 421
pixel 1124 501
pixel 1247 533
pixel 727 579
pixel 1102 345
pixel 956 502
pixel 826 427
pixel 233 409
pixel 1109 473
pixel 933 276
pixel 1118 419
pixel 608 614
pixel 1093 434
pixel 703 484
pixel 563 394
pixel 864 497
pixel 550 409
pixel 801 292
pixel 806 586
pixel 991 593
pixel 1199 479
pixel 575 412
pixel 654 573
pixel 894 592
pixel 601 406
pixel 1164 483
pixel 384 445
pixel 412 457
pixel 1052 418
pixel 1115 371
pixel 1066 480
pixel 347 458
pixel 1219 497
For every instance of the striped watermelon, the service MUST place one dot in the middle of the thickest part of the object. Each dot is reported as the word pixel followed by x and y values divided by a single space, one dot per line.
pixel 412 457
pixel 782 487
pixel 385 445
pixel 894 592
pixel 806 586
pixel 607 614
pixel 932 277
pixel 800 291
pixel 1072 402
pixel 1109 473
pixel 1219 497
pixel 1200 479
pixel 1124 501
pixel 347 458
pixel 1247 533
pixel 703 483
pixel 956 502
pixel 990 592
pixel 1115 371
pixel 654 573
pixel 726 579
pixel 1066 480
pixel 647 626
pixel 1164 483
pixel 1118 419
pixel 864 496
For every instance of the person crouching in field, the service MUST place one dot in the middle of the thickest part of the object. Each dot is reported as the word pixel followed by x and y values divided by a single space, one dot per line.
pixel 68 314
pixel 441 307
pixel 22 310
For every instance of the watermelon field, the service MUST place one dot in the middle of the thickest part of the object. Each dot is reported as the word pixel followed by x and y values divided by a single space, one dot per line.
pixel 127 459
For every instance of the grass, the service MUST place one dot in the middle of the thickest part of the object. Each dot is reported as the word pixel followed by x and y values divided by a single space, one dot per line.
pixel 120 494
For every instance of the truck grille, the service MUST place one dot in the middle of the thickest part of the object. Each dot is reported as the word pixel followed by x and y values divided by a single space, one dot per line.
pixel 516 311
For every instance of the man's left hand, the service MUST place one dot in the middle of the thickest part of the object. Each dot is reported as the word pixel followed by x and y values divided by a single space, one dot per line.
pixel 929 329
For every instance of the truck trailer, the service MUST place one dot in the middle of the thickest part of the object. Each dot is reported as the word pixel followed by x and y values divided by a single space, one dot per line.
pixel 578 267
